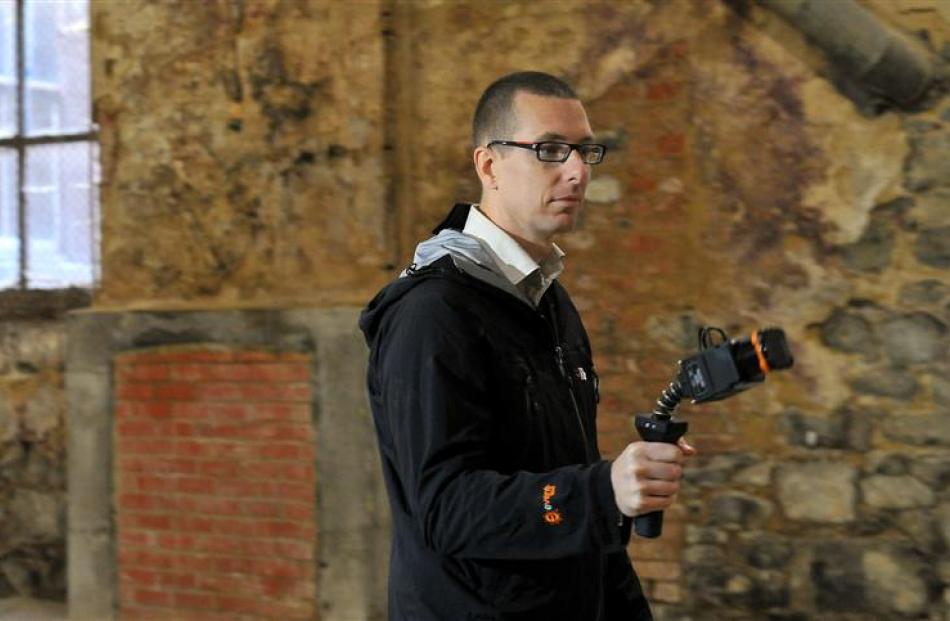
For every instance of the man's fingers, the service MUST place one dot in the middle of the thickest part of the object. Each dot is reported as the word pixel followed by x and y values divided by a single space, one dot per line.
pixel 661 451
pixel 688 449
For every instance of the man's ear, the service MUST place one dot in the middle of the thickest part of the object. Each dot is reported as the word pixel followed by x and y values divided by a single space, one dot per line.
pixel 484 159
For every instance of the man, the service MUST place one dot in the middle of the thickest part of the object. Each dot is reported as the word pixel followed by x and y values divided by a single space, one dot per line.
pixel 484 394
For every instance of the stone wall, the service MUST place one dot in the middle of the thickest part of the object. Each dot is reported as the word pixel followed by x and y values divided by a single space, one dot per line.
pixel 32 459
pixel 274 154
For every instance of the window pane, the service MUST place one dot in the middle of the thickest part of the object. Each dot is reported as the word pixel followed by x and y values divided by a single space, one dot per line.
pixel 59 215
pixel 57 66
pixel 7 68
pixel 9 237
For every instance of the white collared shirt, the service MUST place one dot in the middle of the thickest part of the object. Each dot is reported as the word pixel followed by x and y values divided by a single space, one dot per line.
pixel 513 260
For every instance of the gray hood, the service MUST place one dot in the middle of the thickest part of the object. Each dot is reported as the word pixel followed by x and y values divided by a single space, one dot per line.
pixel 470 254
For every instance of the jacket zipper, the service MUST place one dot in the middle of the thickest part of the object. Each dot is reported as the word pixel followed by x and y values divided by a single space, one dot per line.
pixel 559 355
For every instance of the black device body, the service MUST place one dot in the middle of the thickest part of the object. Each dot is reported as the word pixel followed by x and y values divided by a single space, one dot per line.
pixel 716 372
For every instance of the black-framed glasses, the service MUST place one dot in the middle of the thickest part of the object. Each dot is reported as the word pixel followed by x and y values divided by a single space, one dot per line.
pixel 553 151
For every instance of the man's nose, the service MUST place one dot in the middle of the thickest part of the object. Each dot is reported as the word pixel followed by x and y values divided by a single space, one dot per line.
pixel 577 171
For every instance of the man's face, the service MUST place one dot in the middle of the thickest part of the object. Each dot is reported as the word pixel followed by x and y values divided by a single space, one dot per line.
pixel 540 199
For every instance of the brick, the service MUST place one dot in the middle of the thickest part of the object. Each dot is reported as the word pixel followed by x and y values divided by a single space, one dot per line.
pixel 204 601
pixel 177 391
pixel 217 505
pixel 195 485
pixel 196 524
pixel 132 501
pixel 671 144
pixel 143 409
pixel 150 597
pixel 294 550
pixel 264 509
pixel 667 592
pixel 129 538
pixel 236 527
pixel 175 540
pixel 643 183
pixel 145 483
pixel 234 604
pixel 145 446
pixel 283 568
pixel 659 570
pixel 139 577
pixel 247 489
pixel 146 521
pixel 177 580
pixel 128 391
pixel 287 529
pixel 662 90
pixel 219 468
pixel 285 412
pixel 284 471
pixel 264 371
pixel 292 491
pixel 135 428
pixel 298 511
pixel 284 450
pixel 654 549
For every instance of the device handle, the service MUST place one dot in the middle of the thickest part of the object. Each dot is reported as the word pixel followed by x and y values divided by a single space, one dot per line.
pixel 656 428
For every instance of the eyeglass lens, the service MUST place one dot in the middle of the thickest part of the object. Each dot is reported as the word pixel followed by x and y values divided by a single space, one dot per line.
pixel 559 152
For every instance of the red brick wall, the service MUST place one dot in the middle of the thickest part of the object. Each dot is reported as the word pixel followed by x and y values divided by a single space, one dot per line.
pixel 215 485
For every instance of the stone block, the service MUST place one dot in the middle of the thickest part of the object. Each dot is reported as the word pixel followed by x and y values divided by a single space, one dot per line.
pixel 924 292
pixel 914 338
pixel 717 469
pixel 9 421
pixel 920 430
pixel 738 511
pixel 765 550
pixel 872 252
pixel 943 519
pixel 44 411
pixel 841 429
pixel 933 247
pixel 41 515
pixel 848 332
pixel 817 492
pixel 887 382
pixel 895 492
pixel 928 166
pixel 893 583
pixel 837 577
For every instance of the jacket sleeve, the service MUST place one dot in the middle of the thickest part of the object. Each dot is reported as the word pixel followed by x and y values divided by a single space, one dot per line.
pixel 430 379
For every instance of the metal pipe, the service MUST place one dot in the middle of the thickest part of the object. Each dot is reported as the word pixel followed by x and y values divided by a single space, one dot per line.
pixel 871 54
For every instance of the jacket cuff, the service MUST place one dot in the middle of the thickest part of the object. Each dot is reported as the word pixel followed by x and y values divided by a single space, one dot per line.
pixel 616 526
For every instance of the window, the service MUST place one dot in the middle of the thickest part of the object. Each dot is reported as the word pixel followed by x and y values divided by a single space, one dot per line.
pixel 48 150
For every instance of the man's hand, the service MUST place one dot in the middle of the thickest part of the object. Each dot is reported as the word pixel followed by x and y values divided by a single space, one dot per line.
pixel 646 475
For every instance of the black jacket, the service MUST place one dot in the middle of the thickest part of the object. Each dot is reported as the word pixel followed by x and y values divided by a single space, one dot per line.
pixel 485 413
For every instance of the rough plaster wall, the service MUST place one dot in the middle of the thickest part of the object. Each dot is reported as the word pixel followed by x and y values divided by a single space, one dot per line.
pixel 241 151
pixel 243 162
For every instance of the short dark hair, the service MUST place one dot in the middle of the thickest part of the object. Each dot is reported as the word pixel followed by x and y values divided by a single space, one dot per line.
pixel 494 114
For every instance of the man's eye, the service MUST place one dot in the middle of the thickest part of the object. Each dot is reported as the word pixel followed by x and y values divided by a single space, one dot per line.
pixel 552 150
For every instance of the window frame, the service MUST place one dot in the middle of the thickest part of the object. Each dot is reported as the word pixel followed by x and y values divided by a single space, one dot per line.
pixel 35 301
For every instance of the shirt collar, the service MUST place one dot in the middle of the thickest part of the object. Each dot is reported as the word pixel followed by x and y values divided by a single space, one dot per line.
pixel 513 260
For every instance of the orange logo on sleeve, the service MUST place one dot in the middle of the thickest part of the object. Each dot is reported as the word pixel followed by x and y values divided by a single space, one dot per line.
pixel 551 515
